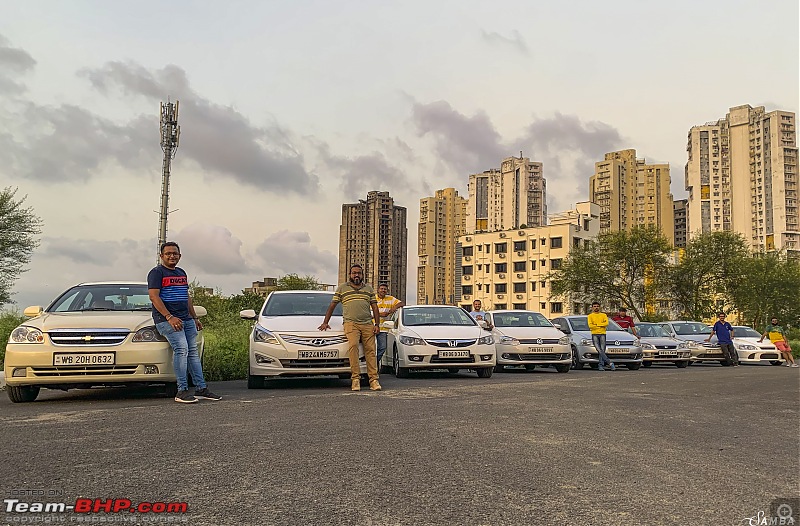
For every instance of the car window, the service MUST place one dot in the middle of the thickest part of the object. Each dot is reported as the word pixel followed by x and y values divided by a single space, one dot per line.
pixel 436 316
pixel 298 304
pixel 519 319
pixel 582 324
pixel 691 328
pixel 652 331
pixel 121 297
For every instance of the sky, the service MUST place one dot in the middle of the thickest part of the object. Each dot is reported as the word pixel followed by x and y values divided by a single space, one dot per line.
pixel 288 109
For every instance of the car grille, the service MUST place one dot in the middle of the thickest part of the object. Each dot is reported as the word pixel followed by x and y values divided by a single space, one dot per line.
pixel 710 355
pixel 769 356
pixel 536 357
pixel 666 347
pixel 539 341
pixel 87 370
pixel 315 364
pixel 447 343
pixel 610 342
pixel 88 337
pixel 436 359
pixel 314 341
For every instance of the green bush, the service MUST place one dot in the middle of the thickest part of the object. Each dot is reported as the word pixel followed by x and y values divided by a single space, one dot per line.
pixel 226 352
pixel 795 346
pixel 8 322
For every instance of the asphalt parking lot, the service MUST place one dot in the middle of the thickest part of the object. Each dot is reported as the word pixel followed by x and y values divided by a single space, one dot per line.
pixel 703 445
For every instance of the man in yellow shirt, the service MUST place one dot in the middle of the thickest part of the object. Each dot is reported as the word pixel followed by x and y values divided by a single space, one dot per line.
pixel 598 322
pixel 387 305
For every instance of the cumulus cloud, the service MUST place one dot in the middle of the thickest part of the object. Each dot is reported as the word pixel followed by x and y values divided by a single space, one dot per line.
pixel 288 252
pixel 515 41
pixel 211 249
pixel 13 61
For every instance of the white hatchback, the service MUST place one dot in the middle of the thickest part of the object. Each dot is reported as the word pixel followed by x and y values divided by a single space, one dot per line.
pixel 286 341
pixel 526 338
pixel 437 337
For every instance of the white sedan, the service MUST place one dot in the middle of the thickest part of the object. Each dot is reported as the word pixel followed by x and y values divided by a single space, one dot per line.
pixel 750 350
pixel 526 338
pixel 437 337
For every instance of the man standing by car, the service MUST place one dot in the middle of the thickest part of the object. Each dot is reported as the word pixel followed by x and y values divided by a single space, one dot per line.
pixel 598 322
pixel 724 332
pixel 361 323
pixel 175 319
pixel 478 314
pixel 778 338
pixel 387 305
pixel 624 321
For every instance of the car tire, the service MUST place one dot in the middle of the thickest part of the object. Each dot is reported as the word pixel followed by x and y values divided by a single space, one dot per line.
pixel 530 366
pixel 399 372
pixel 563 368
pixel 384 369
pixel 647 364
pixel 453 370
pixel 725 363
pixel 485 372
pixel 594 366
pixel 257 382
pixel 344 376
pixel 776 362
pixel 22 393
pixel 499 368
pixel 682 364
pixel 171 389
pixel 633 366
pixel 576 362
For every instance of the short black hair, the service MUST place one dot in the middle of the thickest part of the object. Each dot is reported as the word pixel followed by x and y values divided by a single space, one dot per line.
pixel 383 284
pixel 169 244
pixel 356 265
pixel 623 309
pixel 595 303
pixel 721 314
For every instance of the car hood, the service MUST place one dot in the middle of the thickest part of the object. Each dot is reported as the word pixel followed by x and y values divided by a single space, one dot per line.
pixel 131 320
pixel 529 332
pixel 693 337
pixel 766 344
pixel 659 340
pixel 436 332
pixel 611 336
pixel 300 324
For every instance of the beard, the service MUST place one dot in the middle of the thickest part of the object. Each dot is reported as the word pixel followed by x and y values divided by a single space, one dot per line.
pixel 356 280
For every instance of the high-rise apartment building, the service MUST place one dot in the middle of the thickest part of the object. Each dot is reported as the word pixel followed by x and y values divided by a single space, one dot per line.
pixel 679 208
pixel 508 269
pixel 514 196
pixel 632 193
pixel 441 221
pixel 373 233
pixel 742 177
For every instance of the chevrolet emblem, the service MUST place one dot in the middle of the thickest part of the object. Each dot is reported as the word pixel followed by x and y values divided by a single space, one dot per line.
pixel 87 338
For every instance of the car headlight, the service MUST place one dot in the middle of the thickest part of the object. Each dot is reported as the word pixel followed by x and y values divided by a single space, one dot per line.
pixel 488 340
pixel 23 334
pixel 586 341
pixel 504 340
pixel 262 335
pixel 148 334
pixel 646 345
pixel 564 340
pixel 410 340
pixel 748 347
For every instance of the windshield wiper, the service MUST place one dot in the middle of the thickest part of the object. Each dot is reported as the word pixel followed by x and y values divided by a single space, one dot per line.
pixel 96 309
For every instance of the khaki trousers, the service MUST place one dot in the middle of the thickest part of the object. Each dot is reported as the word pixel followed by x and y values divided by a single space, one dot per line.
pixel 356 332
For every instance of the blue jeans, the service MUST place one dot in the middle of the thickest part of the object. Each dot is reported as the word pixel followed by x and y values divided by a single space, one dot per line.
pixel 599 341
pixel 381 340
pixel 184 353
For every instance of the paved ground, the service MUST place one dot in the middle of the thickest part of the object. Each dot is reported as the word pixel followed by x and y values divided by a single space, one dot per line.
pixel 703 445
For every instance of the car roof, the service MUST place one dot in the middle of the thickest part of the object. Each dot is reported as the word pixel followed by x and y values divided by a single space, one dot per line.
pixel 302 292
pixel 514 310
pixel 111 283
pixel 433 306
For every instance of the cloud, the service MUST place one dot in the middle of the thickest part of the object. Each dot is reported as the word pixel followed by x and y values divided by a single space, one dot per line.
pixel 288 252
pixel 13 60
pixel 119 259
pixel 211 249
pixel 516 41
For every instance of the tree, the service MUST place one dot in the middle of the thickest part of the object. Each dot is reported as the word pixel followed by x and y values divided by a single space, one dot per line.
pixel 619 267
pixel 709 268
pixel 295 282
pixel 19 227
pixel 769 286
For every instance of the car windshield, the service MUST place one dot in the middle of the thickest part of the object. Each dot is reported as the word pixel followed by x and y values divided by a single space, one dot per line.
pixel 436 316
pixel 647 330
pixel 520 319
pixel 581 323
pixel 745 332
pixel 691 328
pixel 299 304
pixel 122 297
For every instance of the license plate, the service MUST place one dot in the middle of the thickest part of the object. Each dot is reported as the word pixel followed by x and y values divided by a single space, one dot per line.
pixel 318 355
pixel 618 351
pixel 79 358
pixel 454 354
pixel 540 349
pixel 667 353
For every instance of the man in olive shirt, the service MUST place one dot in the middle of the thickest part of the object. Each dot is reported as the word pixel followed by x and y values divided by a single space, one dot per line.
pixel 361 322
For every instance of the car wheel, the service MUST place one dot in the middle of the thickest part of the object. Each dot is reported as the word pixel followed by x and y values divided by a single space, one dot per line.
pixel 775 362
pixel 647 364
pixel 563 368
pixel 725 363
pixel 576 363
pixel 257 382
pixel 22 393
pixel 485 372
pixel 633 366
pixel 171 389
pixel 681 364
pixel 594 366
pixel 399 372
pixel 530 366
pixel 499 368
pixel 344 376
pixel 453 370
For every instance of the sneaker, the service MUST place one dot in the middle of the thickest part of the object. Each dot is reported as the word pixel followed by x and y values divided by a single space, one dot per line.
pixel 185 397
pixel 374 385
pixel 355 384
pixel 205 394
pixel 613 367
pixel 600 369
pixel 795 365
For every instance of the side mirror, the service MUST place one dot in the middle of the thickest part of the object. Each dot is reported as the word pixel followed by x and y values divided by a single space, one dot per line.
pixel 248 314
pixel 483 324
pixel 200 311
pixel 565 330
pixel 32 312
pixel 388 324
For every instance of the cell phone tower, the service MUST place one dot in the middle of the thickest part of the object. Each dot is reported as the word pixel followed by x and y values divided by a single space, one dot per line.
pixel 170 137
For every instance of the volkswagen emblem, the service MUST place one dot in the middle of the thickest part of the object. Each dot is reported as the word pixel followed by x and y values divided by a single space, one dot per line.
pixel 538 341
pixel 318 342
pixel 616 342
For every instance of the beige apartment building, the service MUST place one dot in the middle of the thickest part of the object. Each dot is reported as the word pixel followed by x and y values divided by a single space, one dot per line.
pixel 679 209
pixel 742 177
pixel 512 197
pixel 442 220
pixel 506 270
pixel 632 193
pixel 373 233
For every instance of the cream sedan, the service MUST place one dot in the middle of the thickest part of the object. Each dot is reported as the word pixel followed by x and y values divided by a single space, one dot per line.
pixel 527 339
pixel 94 334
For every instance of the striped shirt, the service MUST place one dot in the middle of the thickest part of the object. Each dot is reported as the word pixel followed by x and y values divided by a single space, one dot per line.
pixel 356 302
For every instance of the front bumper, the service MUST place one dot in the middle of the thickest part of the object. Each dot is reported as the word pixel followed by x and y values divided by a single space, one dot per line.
pixel 588 354
pixel 660 356
pixel 428 357
pixel 526 354
pixel 759 356
pixel 274 360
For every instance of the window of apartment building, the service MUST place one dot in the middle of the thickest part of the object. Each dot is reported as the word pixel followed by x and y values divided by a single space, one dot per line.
pixel 542 284
pixel 500 248
pixel 467 251
pixel 500 268
pixel 533 243
pixel 555 264
pixel 488 248
pixel 543 242
pixel 576 242
pixel 519 246
pixel 586 224
pixel 533 265
pixel 556 307
pixel 519 287
pixel 542 263
pixel 500 288
pixel 519 306
pixel 555 242
pixel 543 305
pixel 499 306
pixel 533 285
pixel 480 248
pixel 467 271
pixel 466 290
pixel 576 308
pixel 519 266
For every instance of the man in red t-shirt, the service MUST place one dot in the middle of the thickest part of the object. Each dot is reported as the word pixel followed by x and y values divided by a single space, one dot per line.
pixel 626 322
